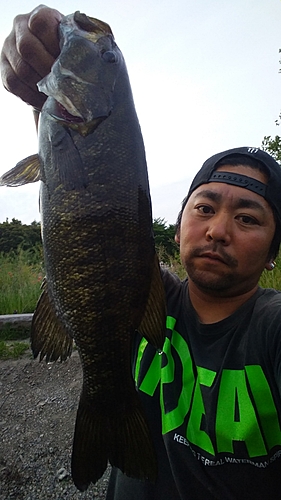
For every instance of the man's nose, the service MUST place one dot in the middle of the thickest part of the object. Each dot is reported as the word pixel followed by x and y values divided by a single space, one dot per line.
pixel 219 229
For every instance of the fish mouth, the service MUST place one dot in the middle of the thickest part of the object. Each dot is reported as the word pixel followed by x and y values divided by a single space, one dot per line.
pixel 62 114
pixel 64 117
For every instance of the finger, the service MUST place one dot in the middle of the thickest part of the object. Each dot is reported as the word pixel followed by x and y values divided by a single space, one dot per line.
pixel 24 57
pixel 33 53
pixel 27 92
pixel 30 48
pixel 29 52
pixel 43 24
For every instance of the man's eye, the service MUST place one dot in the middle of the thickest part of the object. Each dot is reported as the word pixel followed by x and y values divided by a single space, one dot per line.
pixel 248 220
pixel 205 209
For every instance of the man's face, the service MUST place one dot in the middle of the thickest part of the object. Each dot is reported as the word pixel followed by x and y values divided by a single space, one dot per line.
pixel 225 235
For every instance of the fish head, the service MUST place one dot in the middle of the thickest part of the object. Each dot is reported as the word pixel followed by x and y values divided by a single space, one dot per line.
pixel 82 80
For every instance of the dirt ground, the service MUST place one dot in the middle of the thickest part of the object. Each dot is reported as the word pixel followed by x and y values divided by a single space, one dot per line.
pixel 38 403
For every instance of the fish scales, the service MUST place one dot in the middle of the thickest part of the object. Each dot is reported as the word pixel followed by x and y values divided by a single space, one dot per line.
pixel 99 254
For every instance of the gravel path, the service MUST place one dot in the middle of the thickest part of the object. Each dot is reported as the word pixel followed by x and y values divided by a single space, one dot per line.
pixel 38 405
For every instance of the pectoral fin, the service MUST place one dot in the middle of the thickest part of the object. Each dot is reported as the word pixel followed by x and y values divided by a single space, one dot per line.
pixel 49 338
pixel 25 172
pixel 67 161
pixel 153 322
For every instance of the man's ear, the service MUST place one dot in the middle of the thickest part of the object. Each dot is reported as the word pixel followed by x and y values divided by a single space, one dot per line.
pixel 177 237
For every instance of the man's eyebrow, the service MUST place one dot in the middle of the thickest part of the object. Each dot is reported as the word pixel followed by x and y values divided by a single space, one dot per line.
pixel 239 203
pixel 246 203
pixel 207 193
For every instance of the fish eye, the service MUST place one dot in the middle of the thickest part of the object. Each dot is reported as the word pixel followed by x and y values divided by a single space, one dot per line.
pixel 109 56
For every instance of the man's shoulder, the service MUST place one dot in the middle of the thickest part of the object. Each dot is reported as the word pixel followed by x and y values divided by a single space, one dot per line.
pixel 268 305
pixel 170 280
pixel 269 296
pixel 176 292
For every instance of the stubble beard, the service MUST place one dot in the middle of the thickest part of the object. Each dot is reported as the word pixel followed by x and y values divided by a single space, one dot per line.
pixel 208 280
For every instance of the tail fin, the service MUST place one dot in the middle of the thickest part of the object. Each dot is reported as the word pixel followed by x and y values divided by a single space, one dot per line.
pixel 123 440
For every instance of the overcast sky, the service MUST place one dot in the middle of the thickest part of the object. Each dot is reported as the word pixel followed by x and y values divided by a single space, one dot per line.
pixel 204 76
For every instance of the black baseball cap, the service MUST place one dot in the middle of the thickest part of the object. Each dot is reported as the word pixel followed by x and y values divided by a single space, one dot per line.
pixel 270 191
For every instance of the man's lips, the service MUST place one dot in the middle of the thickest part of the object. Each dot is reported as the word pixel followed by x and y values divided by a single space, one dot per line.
pixel 212 256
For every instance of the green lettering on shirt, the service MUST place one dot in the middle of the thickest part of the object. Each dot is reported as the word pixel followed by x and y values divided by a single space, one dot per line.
pixel 152 375
pixel 141 349
pixel 195 434
pixel 245 407
pixel 265 405
pixel 174 418
pixel 234 398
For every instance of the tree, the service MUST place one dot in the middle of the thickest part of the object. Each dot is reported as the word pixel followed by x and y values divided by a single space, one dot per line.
pixel 164 235
pixel 15 235
pixel 272 145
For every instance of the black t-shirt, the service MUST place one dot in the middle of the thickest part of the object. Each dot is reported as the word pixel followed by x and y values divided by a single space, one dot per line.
pixel 212 399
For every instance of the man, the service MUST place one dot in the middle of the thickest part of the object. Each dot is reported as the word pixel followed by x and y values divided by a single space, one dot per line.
pixel 212 397
pixel 214 392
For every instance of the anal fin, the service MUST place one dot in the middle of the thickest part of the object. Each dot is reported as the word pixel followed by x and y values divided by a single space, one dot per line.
pixel 153 322
pixel 49 338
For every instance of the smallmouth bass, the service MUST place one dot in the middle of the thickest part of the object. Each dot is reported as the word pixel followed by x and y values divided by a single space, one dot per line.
pixel 102 274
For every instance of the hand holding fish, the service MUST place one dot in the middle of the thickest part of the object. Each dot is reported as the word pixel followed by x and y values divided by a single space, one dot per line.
pixel 29 52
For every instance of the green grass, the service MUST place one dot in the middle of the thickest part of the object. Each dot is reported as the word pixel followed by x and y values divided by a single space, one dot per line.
pixel 12 332
pixel 272 279
pixel 12 350
pixel 14 341
pixel 21 274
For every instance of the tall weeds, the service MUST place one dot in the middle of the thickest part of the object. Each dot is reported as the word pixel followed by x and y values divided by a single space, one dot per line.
pixel 21 274
pixel 272 279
